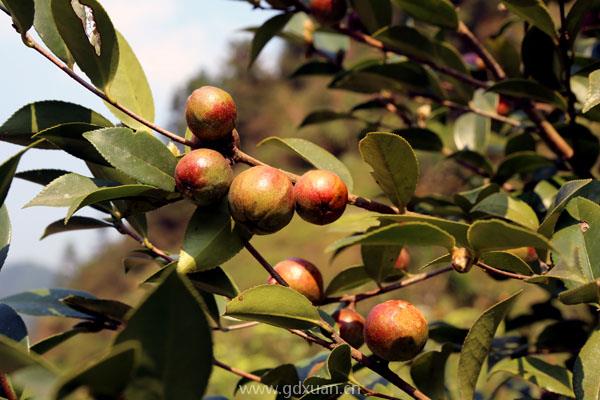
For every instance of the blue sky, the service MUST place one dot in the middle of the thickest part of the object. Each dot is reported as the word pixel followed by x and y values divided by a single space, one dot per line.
pixel 173 40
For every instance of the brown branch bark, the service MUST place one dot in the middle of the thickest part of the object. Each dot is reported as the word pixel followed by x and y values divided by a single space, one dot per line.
pixel 265 264
pixel 497 271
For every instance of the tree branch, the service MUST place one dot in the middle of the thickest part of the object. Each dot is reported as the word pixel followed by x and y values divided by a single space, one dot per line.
pixel 482 52
pixel 126 230
pixel 237 371
pixel 497 271
pixel 265 264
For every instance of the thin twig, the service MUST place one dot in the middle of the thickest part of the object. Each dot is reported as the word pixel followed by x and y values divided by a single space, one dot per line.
pixel 126 230
pixel 482 52
pixel 265 264
pixel 237 371
pixel 497 271
pixel 7 387
pixel 236 327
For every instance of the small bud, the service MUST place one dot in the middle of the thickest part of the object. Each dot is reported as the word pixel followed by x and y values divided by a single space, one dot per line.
pixel 462 261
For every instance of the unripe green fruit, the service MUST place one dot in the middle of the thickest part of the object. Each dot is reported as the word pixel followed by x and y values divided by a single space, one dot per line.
pixel 302 276
pixel 396 330
pixel 203 175
pixel 351 326
pixel 321 197
pixel 328 11
pixel 210 113
pixel 262 199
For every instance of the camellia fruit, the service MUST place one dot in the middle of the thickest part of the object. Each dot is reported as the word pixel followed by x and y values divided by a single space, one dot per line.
pixel 321 197
pixel 262 199
pixel 203 175
pixel 328 11
pixel 403 260
pixel 351 325
pixel 302 276
pixel 396 330
pixel 210 113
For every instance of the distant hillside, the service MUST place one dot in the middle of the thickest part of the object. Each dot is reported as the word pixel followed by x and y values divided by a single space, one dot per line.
pixel 19 277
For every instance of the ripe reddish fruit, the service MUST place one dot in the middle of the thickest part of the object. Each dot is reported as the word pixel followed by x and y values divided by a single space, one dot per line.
pixel 203 175
pixel 503 107
pixel 328 11
pixel 351 325
pixel 302 276
pixel 210 113
pixel 262 199
pixel 403 260
pixel 321 197
pixel 396 330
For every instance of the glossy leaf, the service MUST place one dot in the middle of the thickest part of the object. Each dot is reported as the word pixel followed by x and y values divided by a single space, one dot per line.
pixel 395 166
pixel 11 324
pixel 320 117
pixel 494 234
pixel 106 377
pixel 374 14
pixel 22 13
pixel 35 117
pixel 274 305
pixel 407 233
pixel 525 88
pixel 586 381
pixel 139 154
pixel 503 206
pixel 50 342
pixel 96 55
pixel 266 32
pixel 471 132
pixel 379 261
pixel 428 371
pixel 533 11
pixel 175 337
pixel 347 280
pixel 315 155
pixel 466 200
pixel 576 15
pixel 5 234
pixel 592 98
pixel 69 137
pixel 211 239
pixel 521 163
pixel 507 262
pixel 566 193
pixel 407 40
pixel 473 160
pixel 477 345
pixel 14 357
pixel 8 169
pixel 435 12
pixel 99 308
pixel 75 224
pixel 41 176
pixel 46 302
pixel 46 28
pixel 215 281
pixel 540 56
pixel 315 68
pixel 553 378
pixel 457 229
pixel 130 88
pixel 421 139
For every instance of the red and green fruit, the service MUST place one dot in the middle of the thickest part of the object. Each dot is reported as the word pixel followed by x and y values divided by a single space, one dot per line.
pixel 351 325
pixel 328 11
pixel 302 276
pixel 403 260
pixel 203 175
pixel 210 113
pixel 262 199
pixel 396 330
pixel 321 197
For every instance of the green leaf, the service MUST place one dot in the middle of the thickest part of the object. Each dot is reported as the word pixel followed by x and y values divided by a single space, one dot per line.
pixel 266 32
pixel 339 365
pixel 421 139
pixel 36 117
pixel 320 117
pixel 407 233
pixel 507 262
pixel 50 342
pixel 130 88
pixel 473 160
pixel 315 68
pixel 46 28
pixel 315 155
pixel 576 15
pixel 586 381
pixel 494 234
pixel 521 162
pixel 457 229
pixel 75 224
pixel 566 193
pixel 211 239
pixel 374 14
pixel 472 131
pixel 436 12
pixel 466 200
pixel 96 55
pixel 533 11
pixel 346 280
pixel 280 376
pixel 525 88
pixel 12 325
pixel 106 377
pixel 69 137
pixel 394 163
pixel 41 176
pixel 503 206
pixel 553 378
pixel 215 281
pixel 478 343
pixel 592 98
pixel 5 234
pixel 14 357
pixel 46 302
pixel 7 172
pixel 175 337
pixel 428 371
pixel 379 261
pixel 99 308
pixel 274 305
pixel 138 154
pixel 407 40
pixel 22 13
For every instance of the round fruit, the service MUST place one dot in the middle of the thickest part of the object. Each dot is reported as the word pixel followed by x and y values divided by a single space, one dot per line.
pixel 351 325
pixel 302 276
pixel 328 11
pixel 396 330
pixel 262 199
pixel 321 197
pixel 503 107
pixel 403 260
pixel 203 175
pixel 210 113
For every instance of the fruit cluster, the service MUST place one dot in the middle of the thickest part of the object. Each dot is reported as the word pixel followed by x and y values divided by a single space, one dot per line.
pixel 263 199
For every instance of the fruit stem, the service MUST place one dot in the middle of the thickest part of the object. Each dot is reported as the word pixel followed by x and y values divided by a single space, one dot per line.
pixel 237 371
pixel 501 272
pixel 265 264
